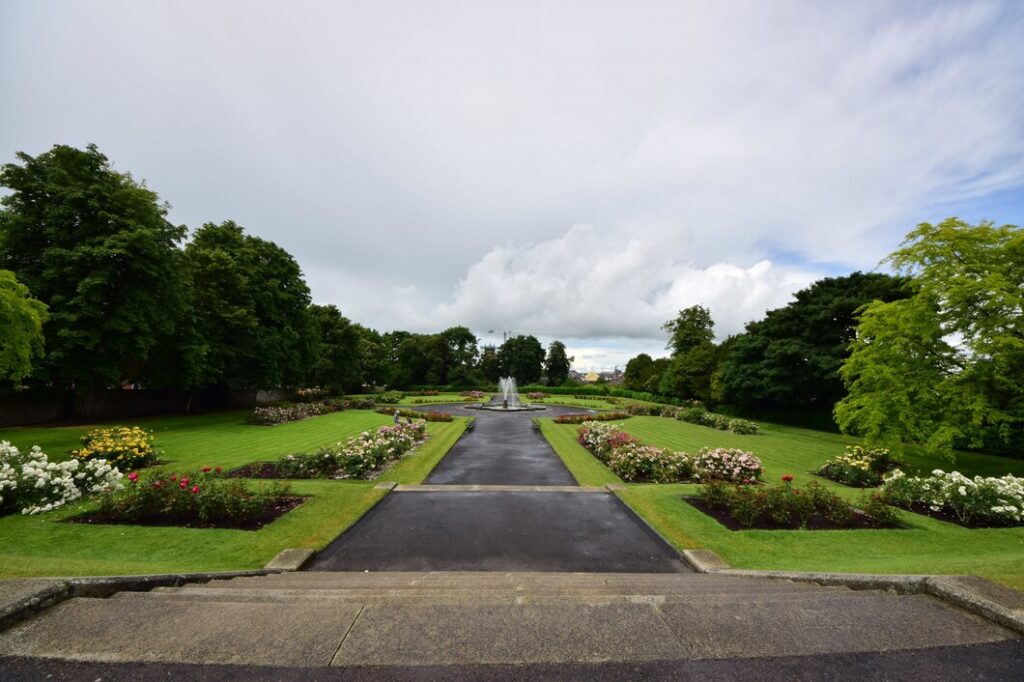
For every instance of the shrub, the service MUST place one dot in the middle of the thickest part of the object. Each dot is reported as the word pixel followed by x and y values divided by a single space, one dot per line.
pixel 32 484
pixel 390 398
pixel 728 464
pixel 359 404
pixel 125 447
pixel 271 415
pixel 475 395
pixel 312 394
pixel 359 457
pixel 742 427
pixel 536 395
pixel 414 414
pixel 584 418
pixel 601 438
pixel 789 507
pixel 973 501
pixel 859 467
pixel 692 415
pixel 638 463
pixel 184 498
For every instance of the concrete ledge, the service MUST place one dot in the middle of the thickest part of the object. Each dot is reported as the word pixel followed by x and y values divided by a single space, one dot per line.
pixel 987 599
pixel 290 559
pixel 385 485
pixel 20 599
pixel 497 489
pixel 704 560
pixel 613 487
pixel 902 584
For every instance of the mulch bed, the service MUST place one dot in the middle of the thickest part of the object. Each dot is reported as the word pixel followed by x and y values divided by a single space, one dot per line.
pixel 858 521
pixel 270 513
pixel 925 510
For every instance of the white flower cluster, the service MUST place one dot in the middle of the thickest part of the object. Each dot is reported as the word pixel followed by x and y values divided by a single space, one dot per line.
pixel 978 500
pixel 31 483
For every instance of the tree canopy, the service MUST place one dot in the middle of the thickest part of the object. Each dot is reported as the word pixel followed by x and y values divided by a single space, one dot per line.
pixel 521 357
pixel 792 357
pixel 96 247
pixel 557 364
pixel 944 366
pixel 21 319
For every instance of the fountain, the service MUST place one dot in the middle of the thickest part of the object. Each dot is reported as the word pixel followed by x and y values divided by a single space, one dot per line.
pixel 508 401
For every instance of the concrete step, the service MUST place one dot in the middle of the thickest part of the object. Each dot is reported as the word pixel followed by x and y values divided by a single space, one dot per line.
pixel 347 596
pixel 310 629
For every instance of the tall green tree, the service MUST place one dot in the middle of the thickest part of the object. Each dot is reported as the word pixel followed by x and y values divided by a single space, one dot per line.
pixel 944 367
pixel 691 328
pixel 96 247
pixel 791 358
pixel 521 357
pixel 557 364
pixel 336 360
pixel 250 303
pixel 455 355
pixel 694 359
pixel 21 319
pixel 638 372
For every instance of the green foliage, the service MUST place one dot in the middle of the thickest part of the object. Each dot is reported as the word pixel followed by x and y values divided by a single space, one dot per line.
pixel 21 319
pixel 943 368
pixel 791 358
pixel 334 347
pixel 521 357
pixel 124 447
pixel 644 374
pixel 250 310
pixel 692 327
pixel 557 364
pixel 94 246
pixel 785 506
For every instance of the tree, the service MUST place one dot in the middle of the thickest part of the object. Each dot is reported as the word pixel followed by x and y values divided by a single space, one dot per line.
pixel 791 358
pixel 335 361
pixel 521 357
pixel 557 364
pixel 694 360
pixel 250 305
pixel 96 247
pixel 456 355
pixel 691 328
pixel 943 367
pixel 21 319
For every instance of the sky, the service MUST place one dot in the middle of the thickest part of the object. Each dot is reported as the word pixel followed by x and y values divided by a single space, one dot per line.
pixel 572 170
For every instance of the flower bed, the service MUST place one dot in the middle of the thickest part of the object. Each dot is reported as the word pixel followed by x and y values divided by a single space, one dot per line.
pixel 475 395
pixel 31 484
pixel 271 415
pixel 975 502
pixel 859 467
pixel 599 417
pixel 536 395
pixel 633 461
pixel 197 499
pixel 311 394
pixel 415 414
pixel 125 447
pixel 700 416
pixel 362 456
pixel 785 507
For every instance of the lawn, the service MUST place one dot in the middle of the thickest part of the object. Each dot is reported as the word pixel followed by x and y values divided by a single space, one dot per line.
pixel 46 546
pixel 925 546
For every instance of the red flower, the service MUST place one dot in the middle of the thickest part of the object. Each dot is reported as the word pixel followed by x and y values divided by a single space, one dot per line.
pixel 133 477
pixel 157 484
pixel 217 470
pixel 195 489
pixel 206 470
pixel 184 479
pixel 174 477
pixel 787 478
pixel 183 485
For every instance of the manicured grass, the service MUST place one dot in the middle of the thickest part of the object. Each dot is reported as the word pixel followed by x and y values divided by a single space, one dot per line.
pixel 223 439
pixel 570 401
pixel 45 545
pixel 926 546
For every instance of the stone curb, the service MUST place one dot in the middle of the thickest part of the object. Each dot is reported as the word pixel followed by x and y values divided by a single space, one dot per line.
pixel 993 602
pixel 55 590
pixel 290 559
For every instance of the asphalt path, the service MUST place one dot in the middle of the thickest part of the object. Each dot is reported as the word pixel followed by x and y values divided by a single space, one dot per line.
pixel 500 531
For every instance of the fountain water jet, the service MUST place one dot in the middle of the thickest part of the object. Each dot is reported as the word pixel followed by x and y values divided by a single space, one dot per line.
pixel 508 401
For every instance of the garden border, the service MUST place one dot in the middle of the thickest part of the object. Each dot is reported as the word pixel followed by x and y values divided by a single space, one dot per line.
pixel 992 601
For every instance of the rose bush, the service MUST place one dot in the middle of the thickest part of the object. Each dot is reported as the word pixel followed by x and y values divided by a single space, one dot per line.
pixel 859 467
pixel 271 415
pixel 125 447
pixel 639 463
pixel 359 457
pixel 32 484
pixel 728 464
pixel 977 501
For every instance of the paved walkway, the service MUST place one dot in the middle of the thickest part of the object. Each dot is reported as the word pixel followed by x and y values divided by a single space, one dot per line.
pixel 533 529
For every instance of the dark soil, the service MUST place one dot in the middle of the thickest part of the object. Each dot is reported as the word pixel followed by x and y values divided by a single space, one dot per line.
pixel 816 522
pixel 925 510
pixel 272 511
